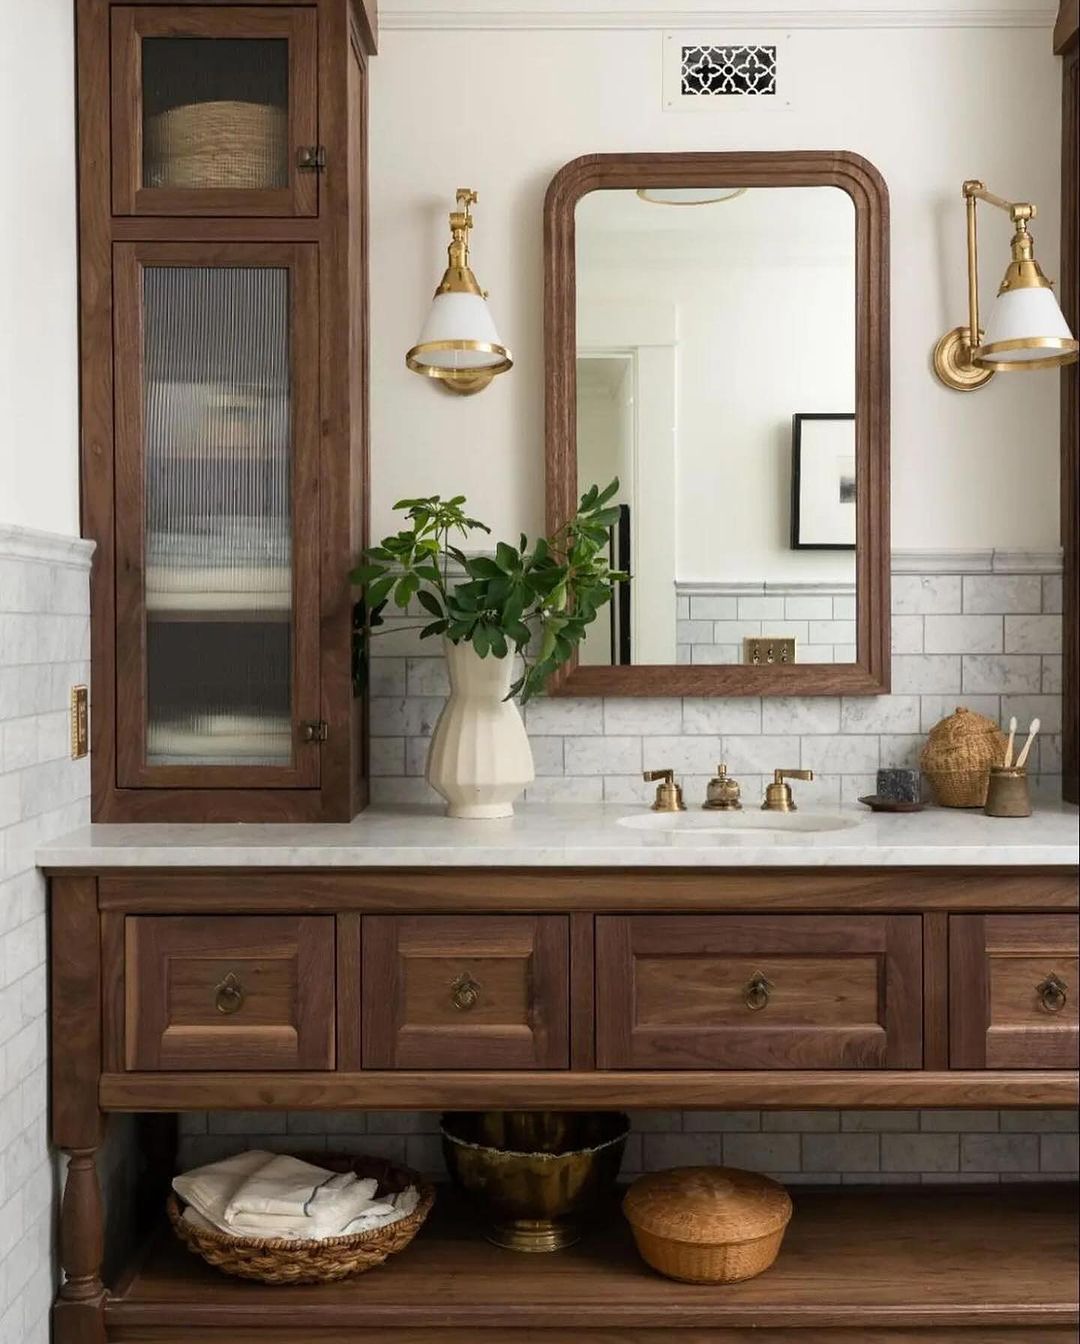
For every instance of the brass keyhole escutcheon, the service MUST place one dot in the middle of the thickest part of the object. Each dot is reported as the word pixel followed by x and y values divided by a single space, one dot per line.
pixel 1053 993
pixel 757 992
pixel 229 995
pixel 464 992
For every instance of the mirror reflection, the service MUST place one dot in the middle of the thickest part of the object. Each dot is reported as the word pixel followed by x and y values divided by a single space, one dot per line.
pixel 716 379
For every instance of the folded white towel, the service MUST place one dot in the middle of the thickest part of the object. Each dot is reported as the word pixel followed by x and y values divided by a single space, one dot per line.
pixel 260 1194
pixel 210 1188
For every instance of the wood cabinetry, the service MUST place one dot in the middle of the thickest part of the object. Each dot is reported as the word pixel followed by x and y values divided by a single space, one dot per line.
pixel 1013 991
pixel 752 991
pixel 428 989
pixel 227 992
pixel 223 323
pixel 468 992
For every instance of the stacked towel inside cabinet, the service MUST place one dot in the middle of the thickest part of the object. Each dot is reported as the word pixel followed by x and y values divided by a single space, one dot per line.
pixel 226 563
pixel 273 1196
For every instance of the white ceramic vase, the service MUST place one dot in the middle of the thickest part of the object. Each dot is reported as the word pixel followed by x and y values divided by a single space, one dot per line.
pixel 480 758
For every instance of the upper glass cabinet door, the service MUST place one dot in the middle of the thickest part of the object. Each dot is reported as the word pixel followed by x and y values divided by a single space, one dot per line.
pixel 214 111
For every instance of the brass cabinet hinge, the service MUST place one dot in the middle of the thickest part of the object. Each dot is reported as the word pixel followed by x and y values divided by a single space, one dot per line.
pixel 312 158
pixel 316 731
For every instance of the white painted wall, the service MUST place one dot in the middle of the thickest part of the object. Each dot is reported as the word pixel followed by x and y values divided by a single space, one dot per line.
pixel 38 341
pixel 968 470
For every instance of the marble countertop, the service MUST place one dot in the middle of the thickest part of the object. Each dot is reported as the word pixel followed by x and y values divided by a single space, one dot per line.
pixel 578 836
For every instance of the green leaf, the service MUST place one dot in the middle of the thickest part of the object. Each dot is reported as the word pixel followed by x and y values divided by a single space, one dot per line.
pixel 481 640
pixel 506 558
pixel 608 491
pixel 405 590
pixel 365 573
pixel 378 591
pixel 435 628
pixel 429 602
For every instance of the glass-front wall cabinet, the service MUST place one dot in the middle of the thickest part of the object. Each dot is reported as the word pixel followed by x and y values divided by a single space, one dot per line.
pixel 216 491
pixel 214 111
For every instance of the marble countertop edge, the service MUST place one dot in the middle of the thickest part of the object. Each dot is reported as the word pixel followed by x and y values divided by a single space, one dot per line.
pixel 575 836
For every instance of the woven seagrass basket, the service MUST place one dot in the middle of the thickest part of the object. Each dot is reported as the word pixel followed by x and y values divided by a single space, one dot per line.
pixel 707 1224
pixel 273 1260
pixel 957 758
pixel 217 144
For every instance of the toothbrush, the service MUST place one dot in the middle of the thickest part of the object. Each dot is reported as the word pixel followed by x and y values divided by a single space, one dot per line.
pixel 1035 726
pixel 1012 739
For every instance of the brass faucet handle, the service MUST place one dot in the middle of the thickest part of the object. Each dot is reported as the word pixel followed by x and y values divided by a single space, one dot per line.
pixel 722 793
pixel 669 796
pixel 778 796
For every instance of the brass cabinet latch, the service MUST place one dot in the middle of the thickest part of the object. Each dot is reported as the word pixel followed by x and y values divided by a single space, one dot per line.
pixel 311 158
pixel 229 995
pixel 316 731
pixel 464 992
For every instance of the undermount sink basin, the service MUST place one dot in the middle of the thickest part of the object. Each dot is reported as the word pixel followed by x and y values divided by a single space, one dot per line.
pixel 739 823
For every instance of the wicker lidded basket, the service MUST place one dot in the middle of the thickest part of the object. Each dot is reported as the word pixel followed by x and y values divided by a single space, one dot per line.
pixel 217 144
pixel 274 1260
pixel 707 1224
pixel 958 755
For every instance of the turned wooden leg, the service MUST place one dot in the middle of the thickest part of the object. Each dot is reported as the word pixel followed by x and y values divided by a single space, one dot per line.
pixel 79 1313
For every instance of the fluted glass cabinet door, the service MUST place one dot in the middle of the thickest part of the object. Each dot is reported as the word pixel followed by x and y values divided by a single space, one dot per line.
pixel 214 111
pixel 216 505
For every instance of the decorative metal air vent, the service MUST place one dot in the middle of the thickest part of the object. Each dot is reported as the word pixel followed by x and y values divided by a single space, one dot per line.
pixel 722 71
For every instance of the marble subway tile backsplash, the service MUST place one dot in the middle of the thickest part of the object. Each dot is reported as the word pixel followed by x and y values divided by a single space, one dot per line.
pixel 815 1147
pixel 989 640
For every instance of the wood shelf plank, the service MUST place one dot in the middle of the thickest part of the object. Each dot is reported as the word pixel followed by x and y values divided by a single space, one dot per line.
pixel 858 1260
pixel 532 1089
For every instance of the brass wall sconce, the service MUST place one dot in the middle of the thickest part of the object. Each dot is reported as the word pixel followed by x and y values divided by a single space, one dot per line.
pixel 1027 329
pixel 459 345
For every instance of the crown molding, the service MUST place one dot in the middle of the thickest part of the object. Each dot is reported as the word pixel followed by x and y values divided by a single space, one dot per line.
pixel 50 548
pixel 989 561
pixel 510 15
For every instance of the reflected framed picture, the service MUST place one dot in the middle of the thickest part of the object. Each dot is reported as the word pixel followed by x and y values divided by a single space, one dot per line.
pixel 823 482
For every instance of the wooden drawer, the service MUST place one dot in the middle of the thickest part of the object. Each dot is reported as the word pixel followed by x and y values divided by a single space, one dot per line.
pixel 1013 990
pixel 465 992
pixel 770 992
pixel 229 992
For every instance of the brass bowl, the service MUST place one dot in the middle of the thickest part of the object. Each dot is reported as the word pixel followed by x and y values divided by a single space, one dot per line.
pixel 535 1174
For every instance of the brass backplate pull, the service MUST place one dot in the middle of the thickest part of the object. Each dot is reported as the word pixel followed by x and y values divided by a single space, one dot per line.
pixel 464 992
pixel 757 991
pixel 229 995
pixel 1053 993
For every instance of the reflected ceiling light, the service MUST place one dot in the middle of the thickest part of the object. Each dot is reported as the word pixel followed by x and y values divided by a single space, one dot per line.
pixel 1027 329
pixel 689 195
pixel 459 344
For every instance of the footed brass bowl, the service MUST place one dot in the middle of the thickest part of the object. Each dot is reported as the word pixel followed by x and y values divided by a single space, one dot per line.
pixel 534 1174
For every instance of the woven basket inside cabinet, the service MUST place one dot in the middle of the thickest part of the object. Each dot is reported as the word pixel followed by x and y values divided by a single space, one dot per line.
pixel 273 1260
pixel 218 144
pixel 958 755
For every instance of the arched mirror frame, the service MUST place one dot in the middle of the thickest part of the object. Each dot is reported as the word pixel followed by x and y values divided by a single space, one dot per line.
pixel 869 674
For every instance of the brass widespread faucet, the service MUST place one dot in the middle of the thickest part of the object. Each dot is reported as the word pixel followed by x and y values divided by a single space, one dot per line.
pixel 778 796
pixel 668 794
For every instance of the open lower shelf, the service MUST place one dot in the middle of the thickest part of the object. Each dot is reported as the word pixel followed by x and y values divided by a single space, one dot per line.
pixel 886 1258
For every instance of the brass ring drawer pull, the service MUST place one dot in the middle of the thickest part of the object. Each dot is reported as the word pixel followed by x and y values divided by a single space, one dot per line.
pixel 1053 993
pixel 464 992
pixel 229 995
pixel 757 992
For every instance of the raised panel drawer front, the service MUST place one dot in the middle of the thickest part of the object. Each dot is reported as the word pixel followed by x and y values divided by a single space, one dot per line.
pixel 1014 982
pixel 759 992
pixel 465 992
pixel 229 992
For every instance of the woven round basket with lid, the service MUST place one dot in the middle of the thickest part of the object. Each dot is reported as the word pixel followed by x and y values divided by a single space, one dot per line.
pixel 958 755
pixel 707 1224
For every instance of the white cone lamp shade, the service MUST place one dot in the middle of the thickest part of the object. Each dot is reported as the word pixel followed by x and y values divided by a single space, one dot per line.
pixel 1026 329
pixel 459 344
pixel 459 334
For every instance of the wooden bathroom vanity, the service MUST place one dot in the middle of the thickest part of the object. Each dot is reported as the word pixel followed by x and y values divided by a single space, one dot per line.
pixel 561 960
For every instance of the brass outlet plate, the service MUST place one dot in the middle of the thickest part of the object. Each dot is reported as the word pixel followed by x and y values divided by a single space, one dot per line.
pixel 80 722
pixel 768 650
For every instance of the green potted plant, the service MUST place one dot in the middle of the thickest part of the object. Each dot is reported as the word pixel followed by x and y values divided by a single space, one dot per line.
pixel 529 601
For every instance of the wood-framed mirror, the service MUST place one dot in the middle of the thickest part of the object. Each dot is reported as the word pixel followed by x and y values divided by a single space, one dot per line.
pixel 717 336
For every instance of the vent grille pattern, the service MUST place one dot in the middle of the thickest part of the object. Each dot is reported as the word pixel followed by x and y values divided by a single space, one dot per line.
pixel 723 71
